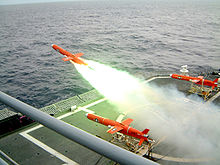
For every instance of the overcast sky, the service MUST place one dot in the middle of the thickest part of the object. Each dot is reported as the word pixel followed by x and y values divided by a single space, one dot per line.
pixel 12 2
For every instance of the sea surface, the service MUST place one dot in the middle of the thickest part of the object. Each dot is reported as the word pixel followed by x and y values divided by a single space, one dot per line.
pixel 139 37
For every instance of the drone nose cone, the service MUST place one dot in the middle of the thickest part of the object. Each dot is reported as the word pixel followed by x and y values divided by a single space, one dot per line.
pixel 52 45
pixel 87 115
pixel 171 75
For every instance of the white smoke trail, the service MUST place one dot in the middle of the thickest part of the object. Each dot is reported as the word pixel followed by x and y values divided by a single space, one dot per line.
pixel 191 128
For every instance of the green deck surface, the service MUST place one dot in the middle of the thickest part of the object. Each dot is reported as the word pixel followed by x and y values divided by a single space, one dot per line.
pixel 25 152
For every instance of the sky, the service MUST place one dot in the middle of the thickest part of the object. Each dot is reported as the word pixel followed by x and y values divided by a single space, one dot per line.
pixel 13 2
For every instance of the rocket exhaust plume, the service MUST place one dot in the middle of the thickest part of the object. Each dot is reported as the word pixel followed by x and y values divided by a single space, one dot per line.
pixel 113 84
pixel 190 127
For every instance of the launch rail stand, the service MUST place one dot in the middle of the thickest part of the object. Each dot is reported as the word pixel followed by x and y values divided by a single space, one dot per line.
pixel 201 91
pixel 131 144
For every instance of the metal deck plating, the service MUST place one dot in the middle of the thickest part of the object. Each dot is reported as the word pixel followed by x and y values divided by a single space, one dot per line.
pixel 37 144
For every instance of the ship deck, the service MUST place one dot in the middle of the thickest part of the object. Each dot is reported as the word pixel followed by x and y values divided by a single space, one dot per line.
pixel 37 144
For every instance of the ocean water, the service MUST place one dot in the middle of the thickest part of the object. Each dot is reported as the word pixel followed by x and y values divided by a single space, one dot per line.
pixel 134 36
